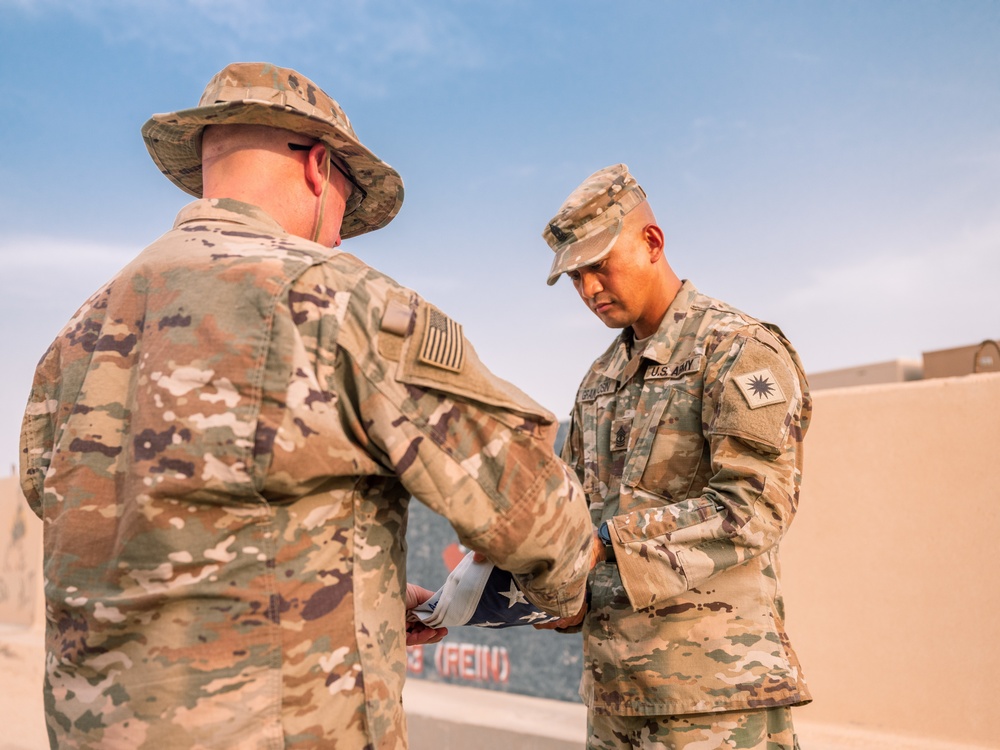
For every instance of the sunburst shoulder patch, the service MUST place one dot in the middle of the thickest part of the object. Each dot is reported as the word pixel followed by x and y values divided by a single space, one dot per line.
pixel 760 388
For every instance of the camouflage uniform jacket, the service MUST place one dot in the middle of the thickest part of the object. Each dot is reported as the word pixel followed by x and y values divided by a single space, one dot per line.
pixel 222 444
pixel 692 452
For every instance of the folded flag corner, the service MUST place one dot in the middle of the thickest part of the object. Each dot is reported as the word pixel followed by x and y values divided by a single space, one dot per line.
pixel 481 595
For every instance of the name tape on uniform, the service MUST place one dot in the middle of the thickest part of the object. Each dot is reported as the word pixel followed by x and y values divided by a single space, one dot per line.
pixel 673 372
pixel 589 394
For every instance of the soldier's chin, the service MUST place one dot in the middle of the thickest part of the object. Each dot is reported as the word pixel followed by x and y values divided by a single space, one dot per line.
pixel 611 321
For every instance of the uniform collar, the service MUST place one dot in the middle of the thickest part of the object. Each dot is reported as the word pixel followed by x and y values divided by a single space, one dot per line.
pixel 227 209
pixel 660 347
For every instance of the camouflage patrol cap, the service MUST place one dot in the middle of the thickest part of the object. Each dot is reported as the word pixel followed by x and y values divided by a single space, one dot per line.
pixel 264 94
pixel 588 223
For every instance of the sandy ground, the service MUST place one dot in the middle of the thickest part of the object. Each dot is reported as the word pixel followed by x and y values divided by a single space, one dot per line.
pixel 22 723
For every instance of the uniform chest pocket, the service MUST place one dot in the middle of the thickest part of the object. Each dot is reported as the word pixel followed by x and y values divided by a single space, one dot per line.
pixel 667 450
pixel 600 463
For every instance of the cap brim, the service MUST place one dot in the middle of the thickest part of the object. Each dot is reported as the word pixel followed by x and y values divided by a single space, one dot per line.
pixel 584 252
pixel 174 143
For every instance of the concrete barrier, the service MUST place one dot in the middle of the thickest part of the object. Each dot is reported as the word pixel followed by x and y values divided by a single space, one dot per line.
pixel 889 570
pixel 20 559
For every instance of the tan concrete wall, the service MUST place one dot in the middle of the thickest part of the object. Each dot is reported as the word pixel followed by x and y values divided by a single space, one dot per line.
pixel 890 569
pixel 889 577
pixel 22 623
pixel 20 558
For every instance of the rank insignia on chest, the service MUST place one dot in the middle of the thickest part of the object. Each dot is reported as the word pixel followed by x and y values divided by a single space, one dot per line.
pixel 443 344
pixel 620 430
pixel 760 388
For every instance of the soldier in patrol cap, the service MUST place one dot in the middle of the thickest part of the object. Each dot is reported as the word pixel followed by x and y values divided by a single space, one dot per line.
pixel 224 439
pixel 687 437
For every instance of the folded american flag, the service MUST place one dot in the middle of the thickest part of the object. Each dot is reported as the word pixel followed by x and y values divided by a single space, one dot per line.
pixel 479 594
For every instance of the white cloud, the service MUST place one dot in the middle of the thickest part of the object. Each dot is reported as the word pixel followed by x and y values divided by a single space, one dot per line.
pixel 382 33
pixel 919 276
pixel 61 256
pixel 897 303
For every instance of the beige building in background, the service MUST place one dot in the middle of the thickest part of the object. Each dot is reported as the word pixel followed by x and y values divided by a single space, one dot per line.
pixel 894 371
pixel 889 574
pixel 943 363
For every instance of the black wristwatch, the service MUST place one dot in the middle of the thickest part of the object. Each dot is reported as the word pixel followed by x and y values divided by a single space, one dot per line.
pixel 604 535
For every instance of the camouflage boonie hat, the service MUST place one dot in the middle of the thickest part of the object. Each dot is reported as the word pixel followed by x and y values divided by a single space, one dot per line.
pixel 264 94
pixel 590 220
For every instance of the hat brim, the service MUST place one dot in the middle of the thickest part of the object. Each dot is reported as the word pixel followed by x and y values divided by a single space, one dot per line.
pixel 584 252
pixel 174 143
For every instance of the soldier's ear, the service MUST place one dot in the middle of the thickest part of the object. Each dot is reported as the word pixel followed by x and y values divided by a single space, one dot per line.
pixel 317 169
pixel 653 236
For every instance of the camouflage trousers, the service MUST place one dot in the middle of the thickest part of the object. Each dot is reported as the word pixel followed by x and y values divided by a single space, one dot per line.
pixel 763 729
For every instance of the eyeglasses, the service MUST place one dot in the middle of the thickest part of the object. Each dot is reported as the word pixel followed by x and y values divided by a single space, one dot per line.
pixel 358 194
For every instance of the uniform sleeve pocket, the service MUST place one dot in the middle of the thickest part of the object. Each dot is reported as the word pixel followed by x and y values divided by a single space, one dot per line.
pixel 653 546
pixel 437 356
pixel 686 522
pixel 758 399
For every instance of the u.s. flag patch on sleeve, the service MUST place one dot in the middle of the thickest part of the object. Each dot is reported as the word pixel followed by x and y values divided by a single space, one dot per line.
pixel 443 344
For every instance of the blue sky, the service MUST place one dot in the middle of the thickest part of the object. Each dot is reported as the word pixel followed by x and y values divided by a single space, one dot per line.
pixel 833 167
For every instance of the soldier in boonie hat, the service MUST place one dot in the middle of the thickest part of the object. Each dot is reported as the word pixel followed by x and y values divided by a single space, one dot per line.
pixel 196 452
pixel 264 94
pixel 588 223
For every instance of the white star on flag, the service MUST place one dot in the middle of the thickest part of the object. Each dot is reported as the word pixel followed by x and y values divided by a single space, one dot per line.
pixel 514 596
